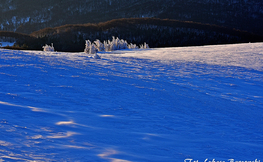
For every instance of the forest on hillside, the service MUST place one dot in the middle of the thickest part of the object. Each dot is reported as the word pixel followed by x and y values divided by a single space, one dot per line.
pixel 239 14
pixel 155 32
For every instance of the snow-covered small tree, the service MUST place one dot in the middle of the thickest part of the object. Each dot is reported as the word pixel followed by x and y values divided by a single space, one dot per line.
pixel 106 46
pixel 87 46
pixel 93 49
pixel 90 48
pixel 124 44
pixel 144 46
pixel 48 48
pixel 99 45
pixel 113 46
pixel 132 46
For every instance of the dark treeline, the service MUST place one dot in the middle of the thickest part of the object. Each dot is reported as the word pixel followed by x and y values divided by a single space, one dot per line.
pixel 155 32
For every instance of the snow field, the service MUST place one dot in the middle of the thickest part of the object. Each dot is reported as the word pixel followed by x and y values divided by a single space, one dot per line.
pixel 132 105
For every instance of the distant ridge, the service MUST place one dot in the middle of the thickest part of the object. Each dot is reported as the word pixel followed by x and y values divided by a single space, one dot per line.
pixel 126 22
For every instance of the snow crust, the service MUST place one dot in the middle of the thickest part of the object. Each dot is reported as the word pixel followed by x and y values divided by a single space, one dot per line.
pixel 167 104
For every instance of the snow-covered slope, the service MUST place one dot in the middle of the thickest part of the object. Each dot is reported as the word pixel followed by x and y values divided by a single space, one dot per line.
pixel 4 44
pixel 167 104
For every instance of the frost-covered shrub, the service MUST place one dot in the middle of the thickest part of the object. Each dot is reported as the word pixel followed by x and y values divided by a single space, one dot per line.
pixel 118 44
pixel 114 44
pixel 48 48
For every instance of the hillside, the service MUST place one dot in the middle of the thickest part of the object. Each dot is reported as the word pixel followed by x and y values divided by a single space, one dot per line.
pixel 28 16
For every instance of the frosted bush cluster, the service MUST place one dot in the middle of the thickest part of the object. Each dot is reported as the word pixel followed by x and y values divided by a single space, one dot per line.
pixel 97 46
pixel 115 44
pixel 48 48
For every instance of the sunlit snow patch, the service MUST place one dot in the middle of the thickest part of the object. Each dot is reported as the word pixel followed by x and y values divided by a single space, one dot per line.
pixel 30 107
pixel 63 135
pixel 110 152
pixel 65 123
pixel 107 116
